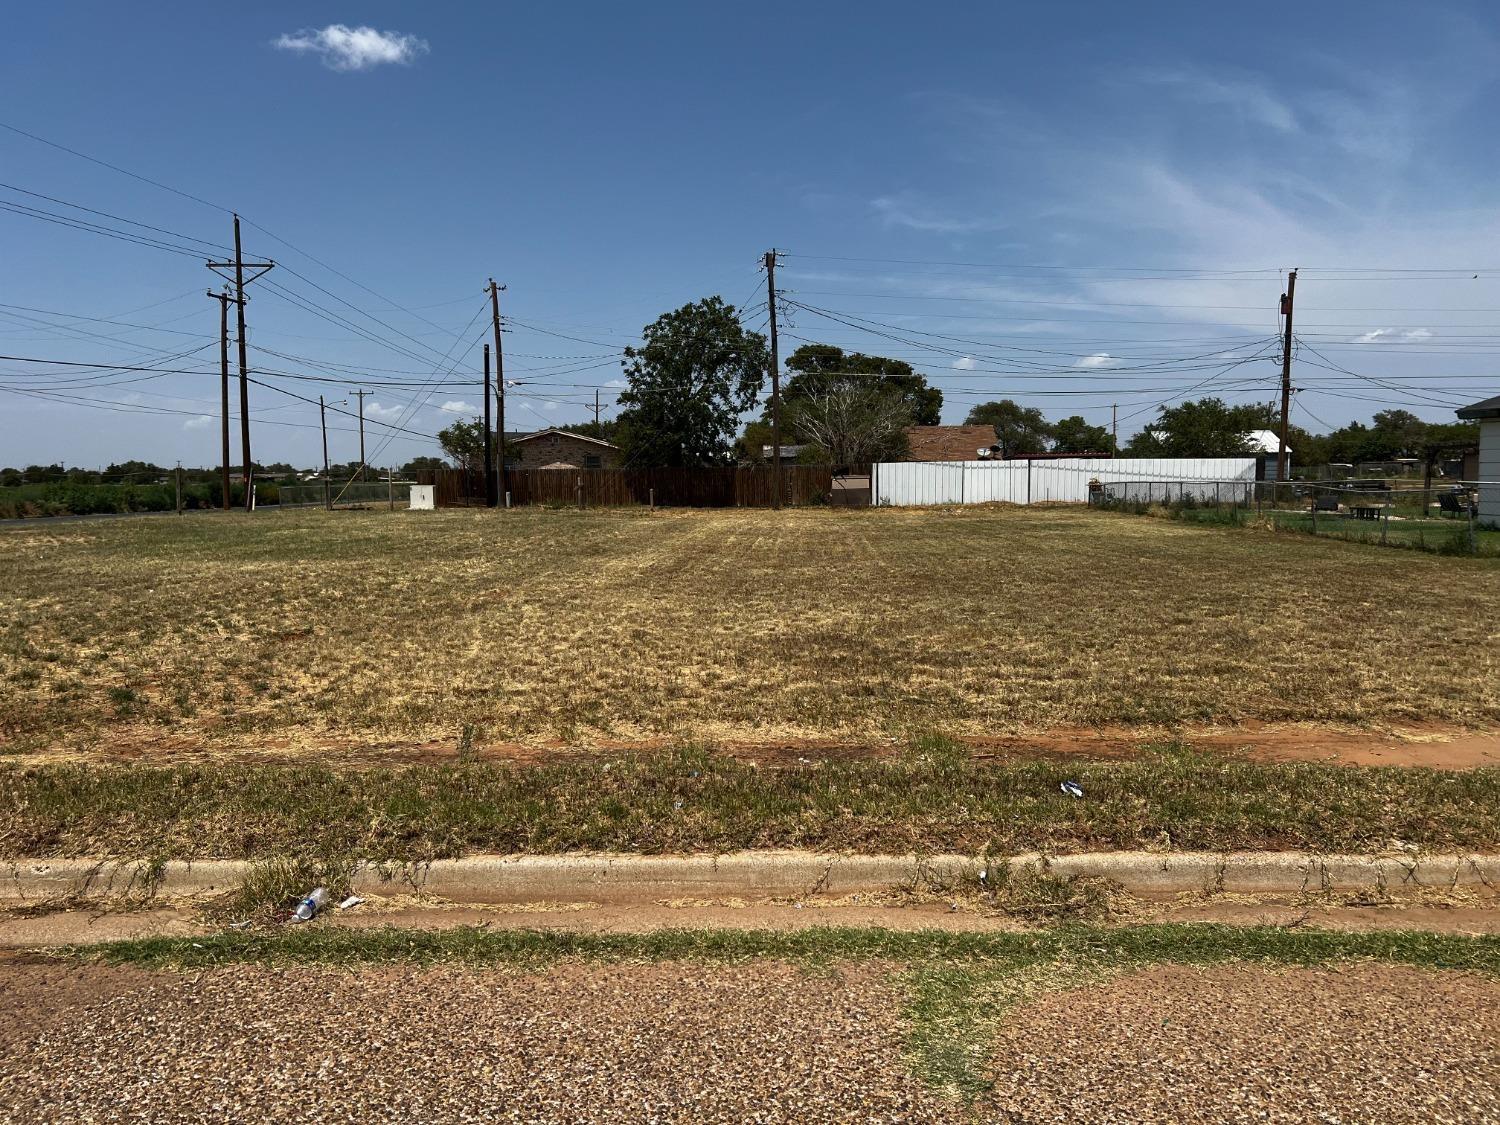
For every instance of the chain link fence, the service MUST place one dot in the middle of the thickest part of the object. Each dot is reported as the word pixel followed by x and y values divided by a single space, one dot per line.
pixel 1391 513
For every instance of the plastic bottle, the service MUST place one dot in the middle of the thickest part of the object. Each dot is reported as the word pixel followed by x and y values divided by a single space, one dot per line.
pixel 308 908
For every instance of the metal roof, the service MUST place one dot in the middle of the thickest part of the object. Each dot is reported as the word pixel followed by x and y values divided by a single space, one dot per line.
pixel 1488 408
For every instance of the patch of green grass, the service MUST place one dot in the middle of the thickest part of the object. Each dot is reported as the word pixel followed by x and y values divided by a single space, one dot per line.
pixel 1106 947
pixel 929 800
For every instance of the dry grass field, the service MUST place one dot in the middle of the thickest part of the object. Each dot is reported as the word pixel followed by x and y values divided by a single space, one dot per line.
pixel 280 633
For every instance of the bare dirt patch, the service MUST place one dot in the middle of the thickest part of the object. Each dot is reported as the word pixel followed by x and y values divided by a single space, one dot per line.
pixel 1355 1043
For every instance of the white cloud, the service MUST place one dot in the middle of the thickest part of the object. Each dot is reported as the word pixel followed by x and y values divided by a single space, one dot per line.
pixel 549 406
pixel 965 364
pixel 375 410
pixel 1393 335
pixel 1098 359
pixel 616 383
pixel 458 406
pixel 896 212
pixel 1247 97
pixel 353 48
pixel 198 423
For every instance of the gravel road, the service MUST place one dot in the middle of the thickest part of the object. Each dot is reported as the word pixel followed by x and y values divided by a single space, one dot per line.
pixel 649 1043
pixel 1364 1043
pixel 761 1042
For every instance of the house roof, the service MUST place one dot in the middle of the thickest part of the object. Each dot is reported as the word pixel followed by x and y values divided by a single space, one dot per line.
pixel 1488 408
pixel 1265 441
pixel 948 443
pixel 566 434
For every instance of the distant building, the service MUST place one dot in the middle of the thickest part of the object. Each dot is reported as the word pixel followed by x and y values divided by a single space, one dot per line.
pixel 1265 445
pixel 560 449
pixel 1487 414
pixel 950 443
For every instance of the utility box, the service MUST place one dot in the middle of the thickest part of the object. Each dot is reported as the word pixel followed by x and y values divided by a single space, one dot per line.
pixel 421 498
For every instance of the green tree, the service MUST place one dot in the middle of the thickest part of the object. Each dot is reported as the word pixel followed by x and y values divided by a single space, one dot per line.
pixel 1018 429
pixel 688 383
pixel 422 465
pixel 815 368
pixel 1207 427
pixel 1074 435
pixel 463 442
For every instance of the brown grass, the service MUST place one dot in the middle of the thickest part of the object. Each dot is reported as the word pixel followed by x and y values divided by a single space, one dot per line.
pixel 306 629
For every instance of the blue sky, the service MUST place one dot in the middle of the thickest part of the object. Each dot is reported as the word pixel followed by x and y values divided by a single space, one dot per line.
pixel 1073 204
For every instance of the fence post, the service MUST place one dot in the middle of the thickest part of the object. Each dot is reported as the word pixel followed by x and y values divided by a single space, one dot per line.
pixel 177 482
pixel 1028 481
pixel 1469 506
pixel 652 498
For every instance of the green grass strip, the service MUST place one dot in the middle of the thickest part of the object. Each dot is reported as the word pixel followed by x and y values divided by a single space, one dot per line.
pixel 935 798
pixel 1102 946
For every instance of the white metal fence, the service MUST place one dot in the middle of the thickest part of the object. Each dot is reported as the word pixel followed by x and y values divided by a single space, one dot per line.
pixel 1063 479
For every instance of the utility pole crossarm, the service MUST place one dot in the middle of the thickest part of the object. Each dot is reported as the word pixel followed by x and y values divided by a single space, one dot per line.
pixel 239 265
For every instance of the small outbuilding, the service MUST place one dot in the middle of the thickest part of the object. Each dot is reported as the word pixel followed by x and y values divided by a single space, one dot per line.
pixel 1487 414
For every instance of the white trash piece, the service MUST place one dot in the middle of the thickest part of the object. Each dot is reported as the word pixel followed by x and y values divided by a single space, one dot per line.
pixel 308 908
pixel 351 902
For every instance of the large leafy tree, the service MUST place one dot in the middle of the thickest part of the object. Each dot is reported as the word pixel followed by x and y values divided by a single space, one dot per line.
pixel 696 373
pixel 1018 429
pixel 463 442
pixel 1074 435
pixel 1207 427
pixel 816 368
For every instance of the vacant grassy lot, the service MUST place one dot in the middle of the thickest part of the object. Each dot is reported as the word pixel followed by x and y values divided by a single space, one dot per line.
pixel 311 629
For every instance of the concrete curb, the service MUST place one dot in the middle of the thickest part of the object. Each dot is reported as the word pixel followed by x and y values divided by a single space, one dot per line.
pixel 617 878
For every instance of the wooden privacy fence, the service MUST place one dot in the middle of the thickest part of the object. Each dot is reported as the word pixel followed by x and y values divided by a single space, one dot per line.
pixel 713 487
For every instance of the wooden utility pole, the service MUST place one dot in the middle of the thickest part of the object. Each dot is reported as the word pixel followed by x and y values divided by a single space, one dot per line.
pixel 490 492
pixel 1114 428
pixel 177 480
pixel 499 374
pixel 361 395
pixel 1287 300
pixel 597 432
pixel 224 300
pixel 777 476
pixel 327 483
pixel 239 265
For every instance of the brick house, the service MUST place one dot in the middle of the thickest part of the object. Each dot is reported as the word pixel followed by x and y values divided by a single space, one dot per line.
pixel 560 449
pixel 949 443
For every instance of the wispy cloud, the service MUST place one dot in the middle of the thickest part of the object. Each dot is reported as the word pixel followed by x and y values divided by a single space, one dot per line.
pixel 895 211
pixel 965 364
pixel 198 423
pixel 1393 336
pixel 458 406
pixel 353 48
pixel 1247 97
pixel 376 410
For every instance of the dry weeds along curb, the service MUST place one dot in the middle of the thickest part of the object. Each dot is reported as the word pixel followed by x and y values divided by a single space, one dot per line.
pixel 616 878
